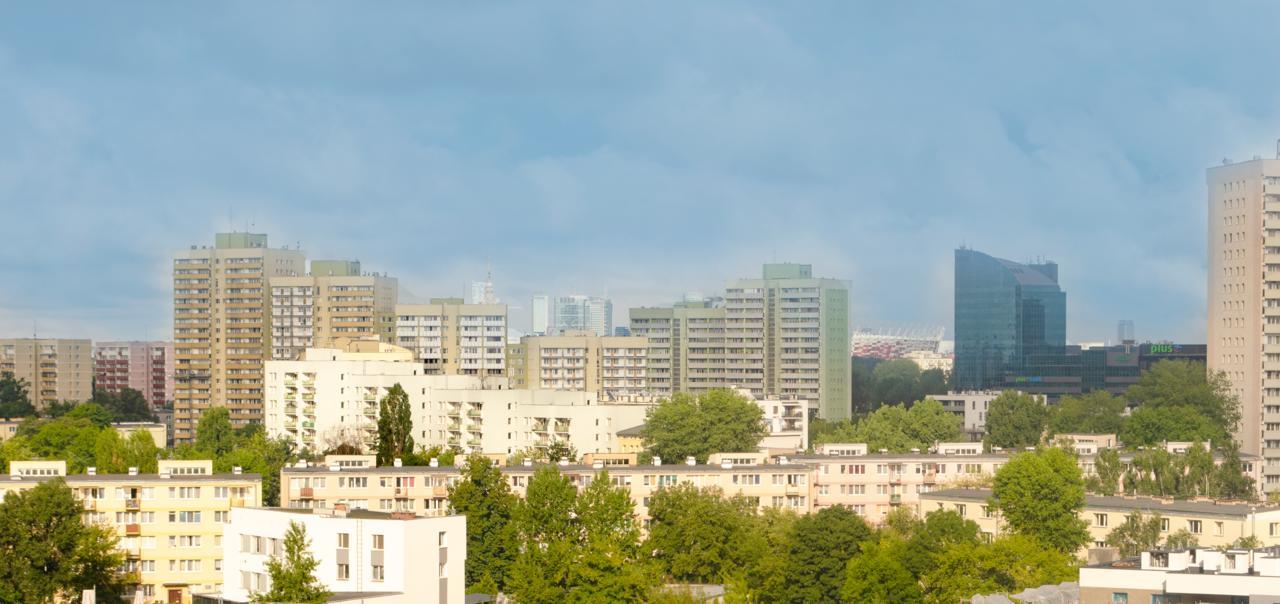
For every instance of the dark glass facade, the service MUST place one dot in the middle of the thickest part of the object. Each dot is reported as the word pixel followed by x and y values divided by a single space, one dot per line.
pixel 1007 316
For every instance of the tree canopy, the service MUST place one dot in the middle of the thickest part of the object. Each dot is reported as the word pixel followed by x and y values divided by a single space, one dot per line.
pixel 1040 495
pixel 1015 420
pixel 14 399
pixel 1098 412
pixel 717 421
pixel 485 498
pixel 395 426
pixel 1186 384
pixel 897 428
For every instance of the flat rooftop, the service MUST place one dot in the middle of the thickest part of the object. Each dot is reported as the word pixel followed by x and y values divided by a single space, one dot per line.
pixel 1207 508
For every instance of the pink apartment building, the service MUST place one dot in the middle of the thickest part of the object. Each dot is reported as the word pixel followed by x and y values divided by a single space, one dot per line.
pixel 144 366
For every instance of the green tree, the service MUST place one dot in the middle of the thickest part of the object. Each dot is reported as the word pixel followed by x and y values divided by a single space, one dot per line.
pixel 1229 480
pixel 877 574
pixel 1181 539
pixel 1040 494
pixel 395 426
pixel 257 454
pixel 821 543
pixel 99 415
pixel 1008 565
pixel 128 405
pixel 895 382
pixel 1178 383
pixel 898 429
pixel 1137 534
pixel 50 553
pixel 293 577
pixel 609 565
pixel 140 451
pixel 1107 472
pixel 1015 420
pixel 1098 412
pixel 699 535
pixel 932 381
pixel 561 449
pixel 484 497
pixel 1150 425
pixel 214 435
pixel 862 383
pixel 717 421
pixel 939 530
pixel 14 401
pixel 74 440
pixel 1199 470
pixel 109 452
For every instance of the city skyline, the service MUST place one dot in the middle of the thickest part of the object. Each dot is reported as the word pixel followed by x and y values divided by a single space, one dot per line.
pixel 773 135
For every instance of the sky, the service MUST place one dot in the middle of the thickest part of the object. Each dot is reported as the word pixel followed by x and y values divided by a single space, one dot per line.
pixel 642 150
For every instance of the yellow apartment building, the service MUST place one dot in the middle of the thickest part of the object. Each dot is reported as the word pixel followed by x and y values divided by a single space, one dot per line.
pixel 54 369
pixel 170 523
pixel 614 367
pixel 450 337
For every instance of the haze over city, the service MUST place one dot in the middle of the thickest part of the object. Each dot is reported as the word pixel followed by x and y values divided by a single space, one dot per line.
pixel 639 151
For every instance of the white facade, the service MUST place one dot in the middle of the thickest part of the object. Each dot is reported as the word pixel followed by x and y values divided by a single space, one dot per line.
pixel 970 407
pixel 787 421
pixel 330 394
pixel 410 559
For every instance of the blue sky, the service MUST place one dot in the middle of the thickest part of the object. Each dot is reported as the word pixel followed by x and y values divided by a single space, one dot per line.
pixel 646 149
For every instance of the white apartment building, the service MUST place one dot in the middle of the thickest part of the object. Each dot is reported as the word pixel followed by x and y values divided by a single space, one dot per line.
pixel 970 407
pixel 787 421
pixel 453 338
pixel 1244 300
pixel 329 394
pixel 383 558
pixel 1193 575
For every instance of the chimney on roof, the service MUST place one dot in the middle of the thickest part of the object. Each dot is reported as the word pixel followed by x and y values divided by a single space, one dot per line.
pixel 527 462
pixel 92 471
pixel 690 461
pixel 597 465
pixel 333 467
pixel 133 471
pixel 237 470
pixel 397 462
pixel 657 461
pixel 564 461
pixel 434 463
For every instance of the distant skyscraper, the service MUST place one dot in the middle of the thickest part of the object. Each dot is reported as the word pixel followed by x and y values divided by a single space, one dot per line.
pixel 1244 300
pixel 541 311
pixel 1124 332
pixel 1004 313
pixel 582 313
pixel 222 326
pixel 482 291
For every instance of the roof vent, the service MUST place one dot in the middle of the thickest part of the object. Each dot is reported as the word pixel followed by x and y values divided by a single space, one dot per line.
pixel 434 463
pixel 564 461
pixel 915 449
pixel 657 461
pixel 728 465
pixel 690 461
pixel 527 462
pixel 237 470
pixel 597 465
pixel 133 471
pixel 333 467
pixel 782 459
pixel 92 471
pixel 164 475
pixel 397 462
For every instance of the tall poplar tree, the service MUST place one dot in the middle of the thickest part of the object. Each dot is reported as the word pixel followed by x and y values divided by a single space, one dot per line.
pixel 395 426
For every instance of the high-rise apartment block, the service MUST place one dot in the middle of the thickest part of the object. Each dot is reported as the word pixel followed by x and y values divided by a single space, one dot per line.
pixel 785 334
pixel 611 366
pixel 335 300
pixel 55 370
pixel 581 313
pixel 1244 300
pixel 222 326
pixel 453 338
pixel 1006 315
pixel 143 366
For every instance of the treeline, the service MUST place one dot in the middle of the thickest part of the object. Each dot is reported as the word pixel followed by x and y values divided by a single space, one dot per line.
pixel 128 405
pixel 895 382
pixel 561 545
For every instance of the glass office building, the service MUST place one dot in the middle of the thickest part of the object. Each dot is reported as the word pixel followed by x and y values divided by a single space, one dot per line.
pixel 1006 315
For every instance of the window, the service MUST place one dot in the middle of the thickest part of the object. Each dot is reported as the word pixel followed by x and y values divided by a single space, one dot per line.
pixel 223 517
pixel 184 517
pixel 1275 528
pixel 344 572
pixel 1217 528
pixel 1119 597
pixel 960 509
pixel 1164 525
pixel 378 572
pixel 344 540
pixel 377 542
pixel 1195 527
pixel 1100 520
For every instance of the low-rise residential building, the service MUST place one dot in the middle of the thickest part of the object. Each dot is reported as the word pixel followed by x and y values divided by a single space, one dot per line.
pixel 381 558
pixel 971 408
pixel 143 366
pixel 424 490
pixel 332 395
pixel 614 367
pixel 929 359
pixel 1212 523
pixel 450 337
pixel 787 421
pixel 170 524
pixel 158 432
pixel 1233 576
pixel 55 370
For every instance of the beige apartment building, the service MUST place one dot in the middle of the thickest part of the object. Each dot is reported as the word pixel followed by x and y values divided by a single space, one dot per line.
pixel 451 337
pixel 424 490
pixel 54 369
pixel 611 366
pixel 1244 299
pixel 686 346
pixel 170 524
pixel 784 334
pixel 222 326
pixel 1213 524
pixel 335 300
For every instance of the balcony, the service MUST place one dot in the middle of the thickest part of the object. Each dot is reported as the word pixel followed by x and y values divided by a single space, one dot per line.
pixel 132 504
pixel 440 491
pixel 90 504
pixel 306 493
pixel 132 530
pixel 895 499
pixel 402 492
